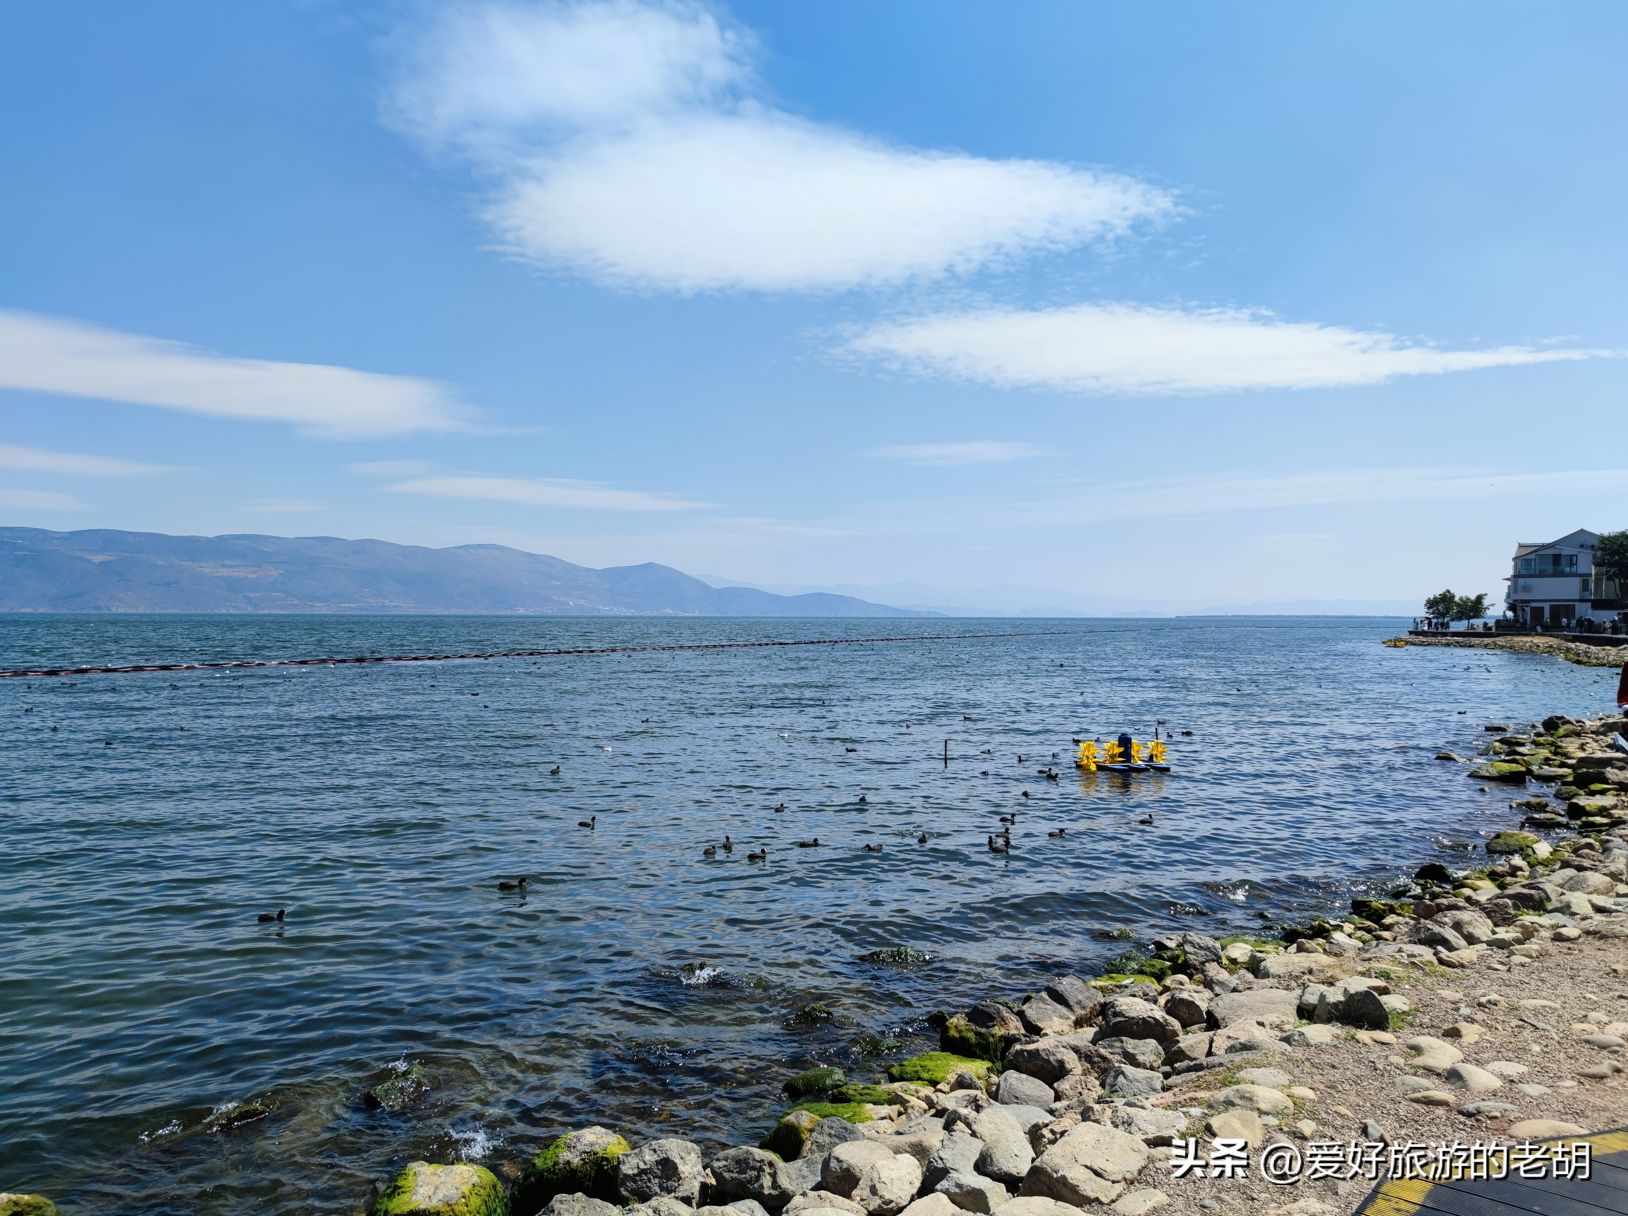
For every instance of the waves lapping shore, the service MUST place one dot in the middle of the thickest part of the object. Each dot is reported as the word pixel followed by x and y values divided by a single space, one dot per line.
pixel 1483 1005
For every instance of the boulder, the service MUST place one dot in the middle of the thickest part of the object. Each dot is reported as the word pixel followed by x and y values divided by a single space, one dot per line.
pixel 1042 1015
pixel 972 1192
pixel 1138 1053
pixel 581 1205
pixel 814 1082
pixel 957 1153
pixel 404 1087
pixel 669 1167
pixel 1006 1155
pixel 1076 994
pixel 1472 926
pixel 421 1189
pixel 1091 1164
pixel 13 1204
pixel 661 1205
pixel 879 1181
pixel 1131 1017
pixel 809 1200
pixel 1127 1082
pixel 983 1032
pixel 1268 1006
pixel 1258 1098
pixel 582 1162
pixel 1543 1129
pixel 1199 950
pixel 749 1173
pixel 1017 1088
pixel 1237 1124
pixel 932 1204
pixel 1189 1006
pixel 1149 1124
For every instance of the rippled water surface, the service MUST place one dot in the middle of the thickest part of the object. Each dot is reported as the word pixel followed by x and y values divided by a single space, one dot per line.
pixel 149 818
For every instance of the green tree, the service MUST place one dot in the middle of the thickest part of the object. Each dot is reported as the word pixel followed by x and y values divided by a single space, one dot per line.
pixel 1470 607
pixel 1611 561
pixel 1441 605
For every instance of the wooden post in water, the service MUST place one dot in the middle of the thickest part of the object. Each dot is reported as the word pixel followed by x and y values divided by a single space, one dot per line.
pixel 946 753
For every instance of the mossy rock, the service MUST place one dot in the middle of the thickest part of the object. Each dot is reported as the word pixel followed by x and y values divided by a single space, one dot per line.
pixel 814 1081
pixel 1376 910
pixel 937 1067
pixel 853 1112
pixel 1508 843
pixel 400 1091
pixel 874 1046
pixel 26 1205
pixel 1501 770
pixel 788 1137
pixel 897 956
pixel 960 1037
pixel 817 1014
pixel 1122 934
pixel 1311 931
pixel 578 1162
pixel 442 1190
pixel 871 1095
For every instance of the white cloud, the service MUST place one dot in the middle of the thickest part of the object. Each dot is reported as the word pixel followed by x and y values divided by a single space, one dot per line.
pixel 283 506
pixel 1125 348
pixel 388 468
pixel 624 144
pixel 53 355
pixel 39 500
pixel 75 464
pixel 980 451
pixel 547 492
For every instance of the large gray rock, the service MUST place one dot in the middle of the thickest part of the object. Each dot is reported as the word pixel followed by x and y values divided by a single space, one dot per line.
pixel 1138 1053
pixel 1364 1008
pixel 1273 1007
pixel 1189 1006
pixel 956 1154
pixel 1149 1124
pixel 1056 1056
pixel 749 1173
pixel 881 1182
pixel 1078 995
pixel 661 1205
pixel 662 1167
pixel 1472 926
pixel 1017 1088
pixel 1078 1089
pixel 972 1192
pixel 1042 1015
pixel 1131 1017
pixel 1091 1164
pixel 1128 1082
pixel 1006 1155
pixel 1199 950
pixel 1436 936
pixel 579 1205
pixel 806 1200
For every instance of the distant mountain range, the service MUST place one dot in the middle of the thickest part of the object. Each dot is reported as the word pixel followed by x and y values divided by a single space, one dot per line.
pixel 111 571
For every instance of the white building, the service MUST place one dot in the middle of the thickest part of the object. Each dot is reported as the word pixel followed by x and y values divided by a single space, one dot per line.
pixel 1555 585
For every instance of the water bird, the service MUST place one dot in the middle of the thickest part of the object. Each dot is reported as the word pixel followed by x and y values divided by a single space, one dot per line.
pixel 1187 734
pixel 710 851
pixel 872 848
pixel 1020 758
pixel 862 798
pixel 555 771
pixel 589 822
pixel 814 843
pixel 1058 832
pixel 850 749
pixel 999 847
pixel 1025 793
pixel 729 845
pixel 1012 818
pixel 988 751
pixel 266 918
pixel 922 839
pixel 779 807
pixel 1146 820
pixel 760 855
pixel 1051 774
pixel 518 884
pixel 604 749
pixel 983 772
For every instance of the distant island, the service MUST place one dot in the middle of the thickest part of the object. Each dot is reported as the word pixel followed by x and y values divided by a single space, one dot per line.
pixel 104 570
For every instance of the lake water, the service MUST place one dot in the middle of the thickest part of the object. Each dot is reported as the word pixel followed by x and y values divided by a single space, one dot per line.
pixel 637 984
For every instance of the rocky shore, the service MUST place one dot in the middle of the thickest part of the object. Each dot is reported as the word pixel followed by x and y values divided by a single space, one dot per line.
pixel 1526 643
pixel 1489 1005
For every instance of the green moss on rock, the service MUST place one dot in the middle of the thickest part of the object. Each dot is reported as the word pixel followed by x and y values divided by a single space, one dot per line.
pixel 960 1037
pixel 442 1190
pixel 26 1205
pixel 578 1162
pixel 1506 843
pixel 233 1115
pixel 814 1081
pixel 408 1085
pixel 936 1067
pixel 817 1014
pixel 1501 770
pixel 853 1112
pixel 874 1095
pixel 788 1137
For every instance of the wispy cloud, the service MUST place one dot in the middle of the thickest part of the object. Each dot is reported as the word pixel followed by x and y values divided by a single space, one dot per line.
pixel 627 142
pixel 1125 348
pixel 283 506
pixel 547 492
pixel 978 451
pixel 388 468
pixel 1210 494
pixel 55 355
pixel 75 464
pixel 39 500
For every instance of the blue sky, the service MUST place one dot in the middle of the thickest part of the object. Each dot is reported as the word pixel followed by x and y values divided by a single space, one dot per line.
pixel 1167 305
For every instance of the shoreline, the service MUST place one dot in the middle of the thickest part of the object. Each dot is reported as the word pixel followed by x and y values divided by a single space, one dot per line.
pixel 1070 1098
pixel 1522 643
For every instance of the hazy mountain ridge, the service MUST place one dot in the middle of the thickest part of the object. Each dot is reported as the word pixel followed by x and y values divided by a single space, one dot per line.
pixel 104 570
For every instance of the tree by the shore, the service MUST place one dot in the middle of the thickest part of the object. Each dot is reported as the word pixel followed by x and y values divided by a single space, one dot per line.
pixel 1446 606
pixel 1611 560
